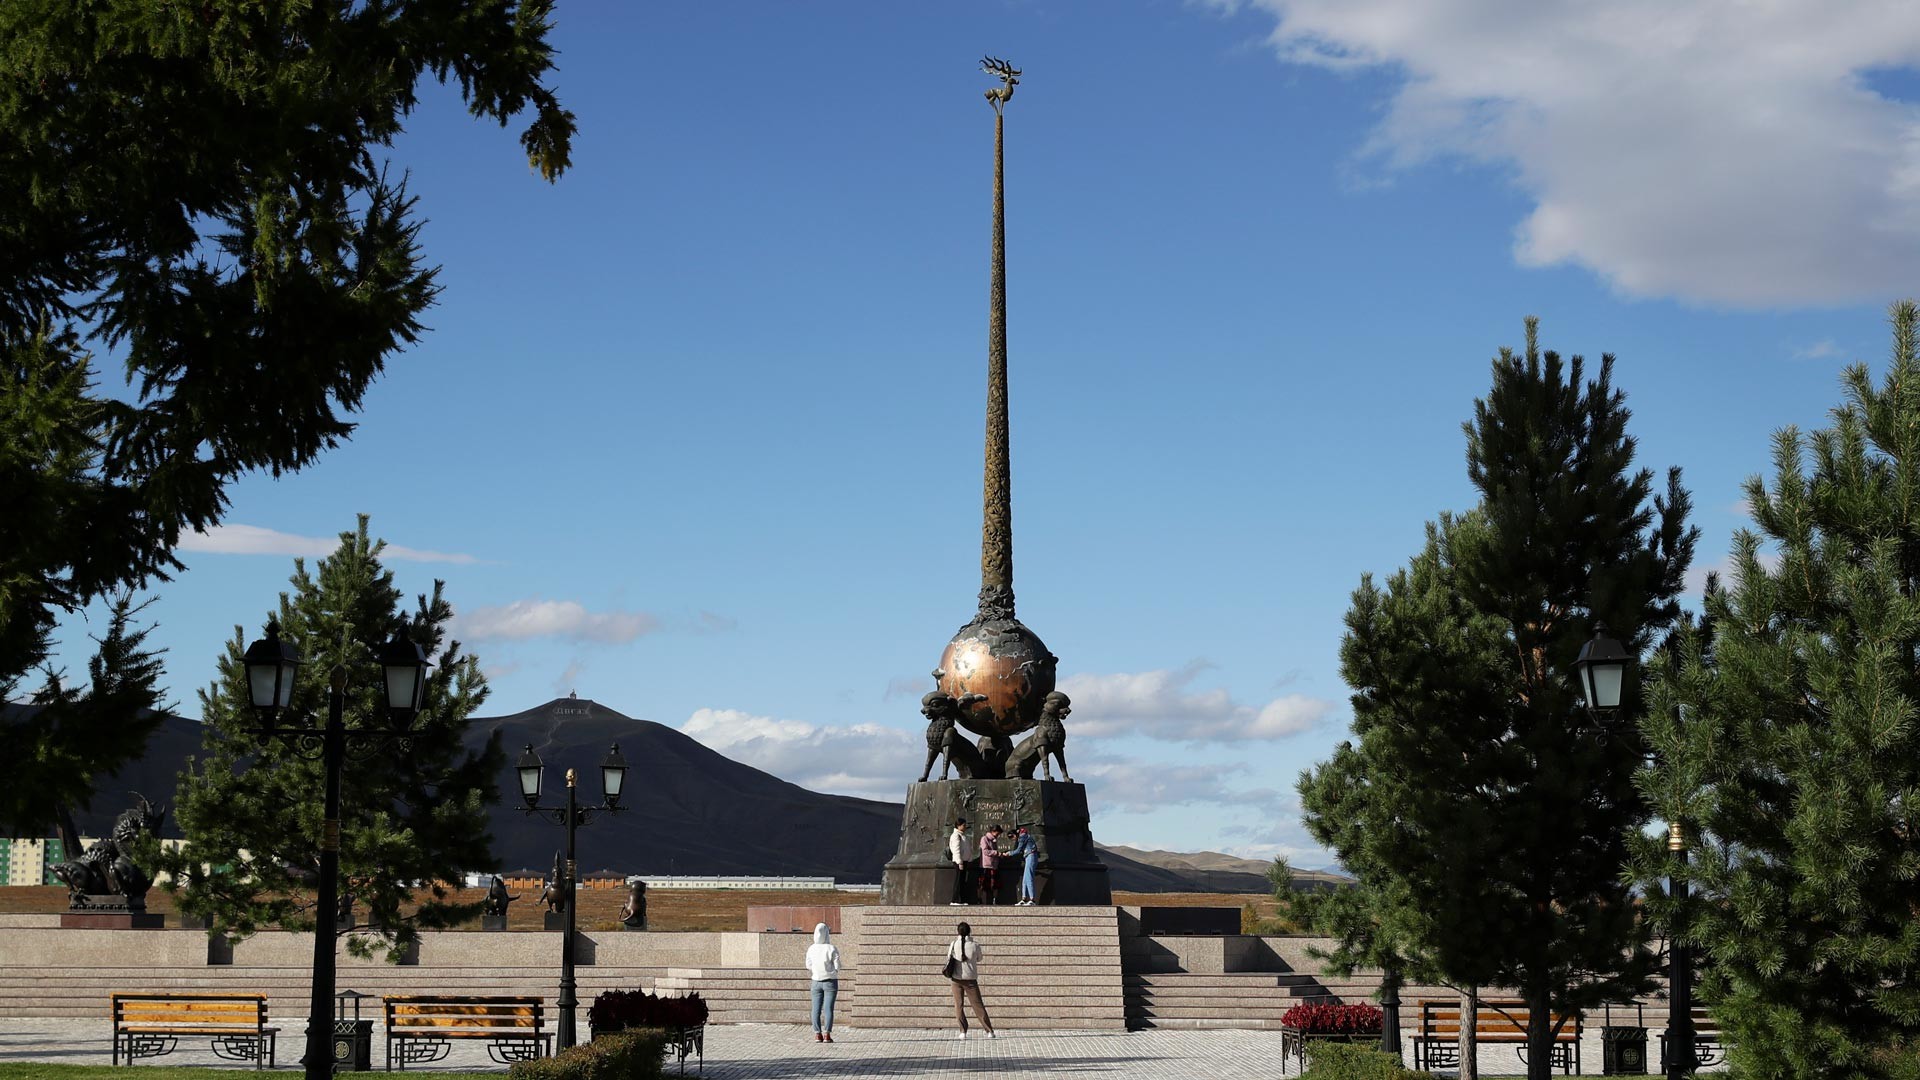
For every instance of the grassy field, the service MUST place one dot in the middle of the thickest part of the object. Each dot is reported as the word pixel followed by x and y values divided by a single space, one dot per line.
pixel 689 909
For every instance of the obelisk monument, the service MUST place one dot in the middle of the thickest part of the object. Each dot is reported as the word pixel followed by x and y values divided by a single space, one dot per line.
pixel 996 680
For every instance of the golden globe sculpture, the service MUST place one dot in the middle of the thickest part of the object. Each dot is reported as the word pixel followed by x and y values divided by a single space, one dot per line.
pixel 1001 672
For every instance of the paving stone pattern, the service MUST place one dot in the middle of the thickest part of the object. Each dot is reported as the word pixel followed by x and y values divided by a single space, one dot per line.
pixel 782 1051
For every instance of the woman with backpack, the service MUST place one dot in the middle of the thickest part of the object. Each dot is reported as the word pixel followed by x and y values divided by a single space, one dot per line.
pixel 963 967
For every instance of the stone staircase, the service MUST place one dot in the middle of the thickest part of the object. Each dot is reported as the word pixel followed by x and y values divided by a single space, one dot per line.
pixel 1235 999
pixel 1042 968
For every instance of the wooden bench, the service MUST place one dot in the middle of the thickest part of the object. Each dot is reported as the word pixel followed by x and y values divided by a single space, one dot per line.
pixel 152 1024
pixel 1707 1048
pixel 1437 1044
pixel 421 1027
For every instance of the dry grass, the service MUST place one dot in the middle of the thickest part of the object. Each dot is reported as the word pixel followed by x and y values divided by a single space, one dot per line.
pixel 688 909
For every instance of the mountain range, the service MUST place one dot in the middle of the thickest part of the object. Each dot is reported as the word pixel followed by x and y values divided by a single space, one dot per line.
pixel 686 809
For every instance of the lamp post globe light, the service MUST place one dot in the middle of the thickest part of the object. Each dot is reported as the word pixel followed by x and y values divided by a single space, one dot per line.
pixel 1601 670
pixel 272 668
pixel 613 776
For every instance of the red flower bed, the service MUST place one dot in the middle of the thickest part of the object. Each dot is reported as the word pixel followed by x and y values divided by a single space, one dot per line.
pixel 1333 1019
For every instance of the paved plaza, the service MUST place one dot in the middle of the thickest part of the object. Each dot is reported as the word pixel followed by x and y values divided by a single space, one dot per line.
pixel 780 1052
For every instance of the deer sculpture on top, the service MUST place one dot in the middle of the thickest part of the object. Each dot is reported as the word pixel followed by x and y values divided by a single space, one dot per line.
pixel 1009 78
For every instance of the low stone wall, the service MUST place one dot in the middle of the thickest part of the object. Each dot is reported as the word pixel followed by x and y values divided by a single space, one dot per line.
pixel 45 945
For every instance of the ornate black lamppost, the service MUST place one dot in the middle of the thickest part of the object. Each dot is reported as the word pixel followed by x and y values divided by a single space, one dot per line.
pixel 1390 1011
pixel 613 774
pixel 1680 1058
pixel 271 666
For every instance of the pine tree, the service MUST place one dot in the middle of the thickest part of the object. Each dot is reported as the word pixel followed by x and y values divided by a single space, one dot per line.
pixel 1478 794
pixel 1786 746
pixel 200 189
pixel 251 811
pixel 51 434
pixel 76 733
pixel 1420 636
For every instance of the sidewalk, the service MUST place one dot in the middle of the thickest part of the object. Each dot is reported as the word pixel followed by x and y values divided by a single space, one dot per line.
pixel 788 1052
pixel 779 1052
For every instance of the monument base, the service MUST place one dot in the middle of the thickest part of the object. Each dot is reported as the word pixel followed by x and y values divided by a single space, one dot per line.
pixel 637 927
pixel 1054 812
pixel 493 922
pixel 112 920
pixel 555 920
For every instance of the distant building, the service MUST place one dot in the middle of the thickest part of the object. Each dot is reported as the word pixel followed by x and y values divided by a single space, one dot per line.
pixel 30 860
pixel 686 881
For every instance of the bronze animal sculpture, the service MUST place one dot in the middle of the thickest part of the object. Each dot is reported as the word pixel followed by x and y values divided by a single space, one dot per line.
pixel 945 739
pixel 1053 734
pixel 553 891
pixel 1049 740
pixel 1009 78
pixel 497 899
pixel 634 912
pixel 107 869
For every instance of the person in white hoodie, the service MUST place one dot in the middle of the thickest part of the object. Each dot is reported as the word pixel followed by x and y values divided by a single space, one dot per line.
pixel 963 954
pixel 823 963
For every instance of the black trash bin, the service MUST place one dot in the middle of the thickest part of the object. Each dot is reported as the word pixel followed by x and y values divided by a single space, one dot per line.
pixel 352 1036
pixel 1623 1046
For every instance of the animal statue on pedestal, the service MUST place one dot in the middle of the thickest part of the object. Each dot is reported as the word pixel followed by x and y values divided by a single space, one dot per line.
pixel 107 869
pixel 634 912
pixel 554 890
pixel 1048 741
pixel 497 899
pixel 945 739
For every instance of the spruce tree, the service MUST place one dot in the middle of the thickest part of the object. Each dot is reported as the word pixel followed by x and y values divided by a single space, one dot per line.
pixel 1785 744
pixel 412 821
pixel 1478 792
pixel 201 189
pixel 74 733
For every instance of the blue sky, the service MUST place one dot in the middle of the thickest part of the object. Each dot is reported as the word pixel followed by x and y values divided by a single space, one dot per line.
pixel 696 432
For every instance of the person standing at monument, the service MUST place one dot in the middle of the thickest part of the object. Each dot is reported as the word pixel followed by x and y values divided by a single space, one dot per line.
pixel 963 967
pixel 990 866
pixel 1027 850
pixel 960 848
pixel 823 964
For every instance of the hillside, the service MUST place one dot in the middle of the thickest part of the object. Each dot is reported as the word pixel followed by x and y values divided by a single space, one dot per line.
pixel 687 809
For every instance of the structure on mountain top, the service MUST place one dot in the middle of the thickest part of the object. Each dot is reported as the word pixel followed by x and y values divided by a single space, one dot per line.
pixel 996 677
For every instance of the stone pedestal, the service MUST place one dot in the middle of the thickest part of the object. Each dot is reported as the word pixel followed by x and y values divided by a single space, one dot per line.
pixel 1055 812
pixel 638 927
pixel 555 920
pixel 493 922
pixel 112 920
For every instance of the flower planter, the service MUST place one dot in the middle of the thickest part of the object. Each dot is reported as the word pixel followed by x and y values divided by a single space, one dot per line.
pixel 1358 1023
pixel 683 1019
pixel 1293 1042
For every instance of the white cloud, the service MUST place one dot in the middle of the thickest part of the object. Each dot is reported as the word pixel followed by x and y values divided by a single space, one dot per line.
pixel 254 540
pixel 866 760
pixel 909 686
pixel 566 619
pixel 1824 349
pixel 569 679
pixel 1129 784
pixel 1719 151
pixel 1696 580
pixel 1160 704
pixel 877 762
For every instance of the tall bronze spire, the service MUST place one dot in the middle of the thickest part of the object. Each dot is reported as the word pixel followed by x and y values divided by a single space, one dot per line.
pixel 996 527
